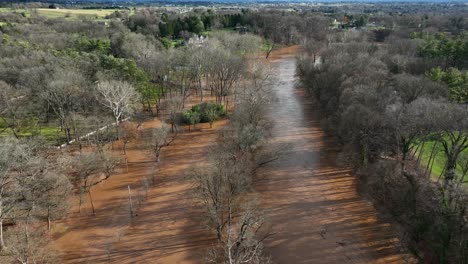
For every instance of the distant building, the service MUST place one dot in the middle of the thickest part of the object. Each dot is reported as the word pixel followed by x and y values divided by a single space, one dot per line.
pixel 196 40
pixel 335 24
pixel 241 29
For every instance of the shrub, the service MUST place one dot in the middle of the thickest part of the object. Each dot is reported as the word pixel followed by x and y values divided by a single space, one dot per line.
pixel 191 118
pixel 204 113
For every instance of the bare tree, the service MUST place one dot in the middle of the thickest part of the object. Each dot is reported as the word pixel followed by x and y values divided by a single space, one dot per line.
pixel 12 156
pixel 174 108
pixel 238 223
pixel 84 167
pixel 99 132
pixel 197 68
pixel 244 44
pixel 158 138
pixel 219 188
pixel 452 129
pixel 224 71
pixel 109 163
pixel 182 73
pixel 118 96
pixel 314 48
pixel 55 189
pixel 64 95
pixel 411 123
pixel 91 169
pixel 128 132
pixel 29 244
pixel 12 107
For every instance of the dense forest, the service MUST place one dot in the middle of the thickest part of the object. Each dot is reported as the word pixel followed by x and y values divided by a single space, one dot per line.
pixel 392 88
pixel 399 107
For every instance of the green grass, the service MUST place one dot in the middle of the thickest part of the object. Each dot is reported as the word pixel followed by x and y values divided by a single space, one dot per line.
pixel 98 14
pixel 210 32
pixel 49 132
pixel 172 43
pixel 265 46
pixel 439 160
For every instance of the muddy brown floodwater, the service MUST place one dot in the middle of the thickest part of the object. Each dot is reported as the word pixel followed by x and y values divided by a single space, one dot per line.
pixel 311 202
pixel 166 228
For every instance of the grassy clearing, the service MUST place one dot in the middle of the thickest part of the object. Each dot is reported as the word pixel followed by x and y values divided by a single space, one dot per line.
pixel 172 43
pixel 214 31
pixel 439 160
pixel 49 132
pixel 64 13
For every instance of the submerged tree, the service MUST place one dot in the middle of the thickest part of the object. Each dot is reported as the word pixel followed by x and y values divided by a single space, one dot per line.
pixel 91 169
pixel 29 244
pixel 157 139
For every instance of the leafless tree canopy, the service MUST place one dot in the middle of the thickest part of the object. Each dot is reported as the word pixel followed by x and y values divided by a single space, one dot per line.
pixel 119 97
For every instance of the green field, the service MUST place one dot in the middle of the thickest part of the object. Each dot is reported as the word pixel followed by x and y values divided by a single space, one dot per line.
pixel 214 31
pixel 60 13
pixel 50 132
pixel 439 161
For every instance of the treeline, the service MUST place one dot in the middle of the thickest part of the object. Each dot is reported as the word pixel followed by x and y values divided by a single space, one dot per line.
pixel 56 73
pixel 69 81
pixel 278 27
pixel 225 189
pixel 386 103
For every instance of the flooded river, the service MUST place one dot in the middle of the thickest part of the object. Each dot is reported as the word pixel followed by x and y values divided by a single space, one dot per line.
pixel 312 202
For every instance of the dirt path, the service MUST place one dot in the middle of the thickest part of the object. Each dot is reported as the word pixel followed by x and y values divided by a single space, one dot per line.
pixel 312 202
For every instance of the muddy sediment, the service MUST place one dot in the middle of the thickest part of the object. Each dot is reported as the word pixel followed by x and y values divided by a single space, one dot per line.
pixel 312 202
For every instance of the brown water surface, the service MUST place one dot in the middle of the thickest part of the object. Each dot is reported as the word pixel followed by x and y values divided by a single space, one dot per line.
pixel 312 202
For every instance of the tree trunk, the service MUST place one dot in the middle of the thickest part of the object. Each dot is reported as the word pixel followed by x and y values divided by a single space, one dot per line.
pixel 81 201
pixel 450 172
pixel 48 112
pixel 201 90
pixel 130 201
pixel 116 127
pixel 431 161
pixel 67 132
pixel 2 241
pixel 421 151
pixel 91 200
pixel 48 218
pixel 126 162
pixel 150 109
pixel 364 154
pixel 268 52
pixel 14 133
